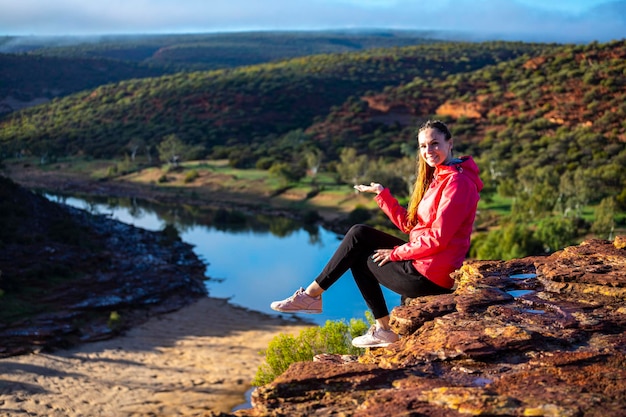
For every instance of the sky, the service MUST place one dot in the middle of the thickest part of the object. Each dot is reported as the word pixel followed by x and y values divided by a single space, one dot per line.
pixel 528 20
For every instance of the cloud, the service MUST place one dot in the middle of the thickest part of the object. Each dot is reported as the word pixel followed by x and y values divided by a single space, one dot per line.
pixel 516 20
pixel 506 18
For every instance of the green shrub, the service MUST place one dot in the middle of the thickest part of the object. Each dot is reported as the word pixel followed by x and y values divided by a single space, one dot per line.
pixel 555 232
pixel 335 337
pixel 511 241
pixel 114 320
pixel 265 162
pixel 191 176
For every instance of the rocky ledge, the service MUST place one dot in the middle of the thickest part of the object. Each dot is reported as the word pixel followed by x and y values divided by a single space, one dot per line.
pixel 540 336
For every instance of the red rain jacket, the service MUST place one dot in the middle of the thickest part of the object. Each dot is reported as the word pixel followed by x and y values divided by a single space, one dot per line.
pixel 439 242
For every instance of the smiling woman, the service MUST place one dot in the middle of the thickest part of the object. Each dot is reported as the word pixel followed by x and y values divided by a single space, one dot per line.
pixel 439 221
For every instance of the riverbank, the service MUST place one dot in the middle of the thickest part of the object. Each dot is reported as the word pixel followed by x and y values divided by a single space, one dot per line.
pixel 211 189
pixel 198 359
pixel 101 318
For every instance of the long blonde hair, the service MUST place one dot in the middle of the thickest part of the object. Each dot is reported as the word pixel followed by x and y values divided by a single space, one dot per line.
pixel 425 172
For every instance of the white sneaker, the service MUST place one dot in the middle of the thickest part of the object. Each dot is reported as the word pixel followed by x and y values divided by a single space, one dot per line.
pixel 375 337
pixel 299 302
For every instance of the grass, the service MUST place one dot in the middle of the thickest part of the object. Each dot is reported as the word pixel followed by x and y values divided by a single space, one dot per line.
pixel 588 213
pixel 497 204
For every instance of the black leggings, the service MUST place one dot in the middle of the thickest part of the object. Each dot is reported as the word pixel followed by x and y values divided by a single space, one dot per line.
pixel 355 252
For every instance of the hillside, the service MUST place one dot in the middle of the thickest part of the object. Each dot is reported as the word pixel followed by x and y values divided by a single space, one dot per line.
pixel 571 87
pixel 34 70
pixel 27 80
pixel 544 122
pixel 243 106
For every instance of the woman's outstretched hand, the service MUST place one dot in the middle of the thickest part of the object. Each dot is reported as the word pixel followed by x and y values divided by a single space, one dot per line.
pixel 372 188
pixel 381 256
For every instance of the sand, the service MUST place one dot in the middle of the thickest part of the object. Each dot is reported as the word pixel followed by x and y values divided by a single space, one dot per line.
pixel 201 358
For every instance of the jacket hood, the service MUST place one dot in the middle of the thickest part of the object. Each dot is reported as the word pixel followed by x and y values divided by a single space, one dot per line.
pixel 464 165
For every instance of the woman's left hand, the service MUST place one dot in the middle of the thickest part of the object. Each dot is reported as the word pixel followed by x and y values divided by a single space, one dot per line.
pixel 382 256
pixel 374 187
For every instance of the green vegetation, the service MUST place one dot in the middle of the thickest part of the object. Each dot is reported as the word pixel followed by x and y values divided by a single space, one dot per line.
pixel 245 113
pixel 38 69
pixel 545 155
pixel 32 77
pixel 115 320
pixel 334 337
pixel 544 122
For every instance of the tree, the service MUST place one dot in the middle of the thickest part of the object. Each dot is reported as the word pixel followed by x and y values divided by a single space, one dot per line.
pixel 285 173
pixel 352 168
pixel 172 150
pixel 134 145
pixel 406 169
pixel 536 194
pixel 398 175
pixel 313 158
pixel 604 223
pixel 555 232
pixel 511 241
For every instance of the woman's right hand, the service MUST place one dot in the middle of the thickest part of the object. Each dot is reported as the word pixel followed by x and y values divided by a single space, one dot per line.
pixel 372 188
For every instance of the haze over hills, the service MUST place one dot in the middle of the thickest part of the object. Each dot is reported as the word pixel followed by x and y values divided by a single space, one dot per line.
pixel 247 47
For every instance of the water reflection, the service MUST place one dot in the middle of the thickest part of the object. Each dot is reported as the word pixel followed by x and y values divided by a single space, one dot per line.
pixel 155 216
pixel 252 259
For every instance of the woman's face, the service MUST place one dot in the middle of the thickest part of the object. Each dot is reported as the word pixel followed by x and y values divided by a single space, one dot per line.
pixel 433 147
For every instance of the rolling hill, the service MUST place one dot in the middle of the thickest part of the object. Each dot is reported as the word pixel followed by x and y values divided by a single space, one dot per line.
pixel 235 107
pixel 568 87
pixel 33 70
pixel 27 80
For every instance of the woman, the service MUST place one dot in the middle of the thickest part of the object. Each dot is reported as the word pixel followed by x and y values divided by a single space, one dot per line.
pixel 439 222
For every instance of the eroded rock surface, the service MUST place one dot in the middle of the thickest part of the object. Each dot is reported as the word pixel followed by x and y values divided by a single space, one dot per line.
pixel 538 336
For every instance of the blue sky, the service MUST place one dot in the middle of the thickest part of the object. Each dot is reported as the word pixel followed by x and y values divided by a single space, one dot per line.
pixel 537 20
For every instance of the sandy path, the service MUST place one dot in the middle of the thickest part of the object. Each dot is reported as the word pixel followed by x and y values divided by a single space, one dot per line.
pixel 201 358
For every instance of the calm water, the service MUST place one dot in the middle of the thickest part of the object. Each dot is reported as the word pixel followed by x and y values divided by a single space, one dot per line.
pixel 251 260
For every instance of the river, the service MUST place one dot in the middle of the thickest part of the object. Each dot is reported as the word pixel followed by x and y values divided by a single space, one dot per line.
pixel 251 259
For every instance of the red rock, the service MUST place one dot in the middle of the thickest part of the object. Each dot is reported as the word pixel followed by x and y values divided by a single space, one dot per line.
pixel 501 345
